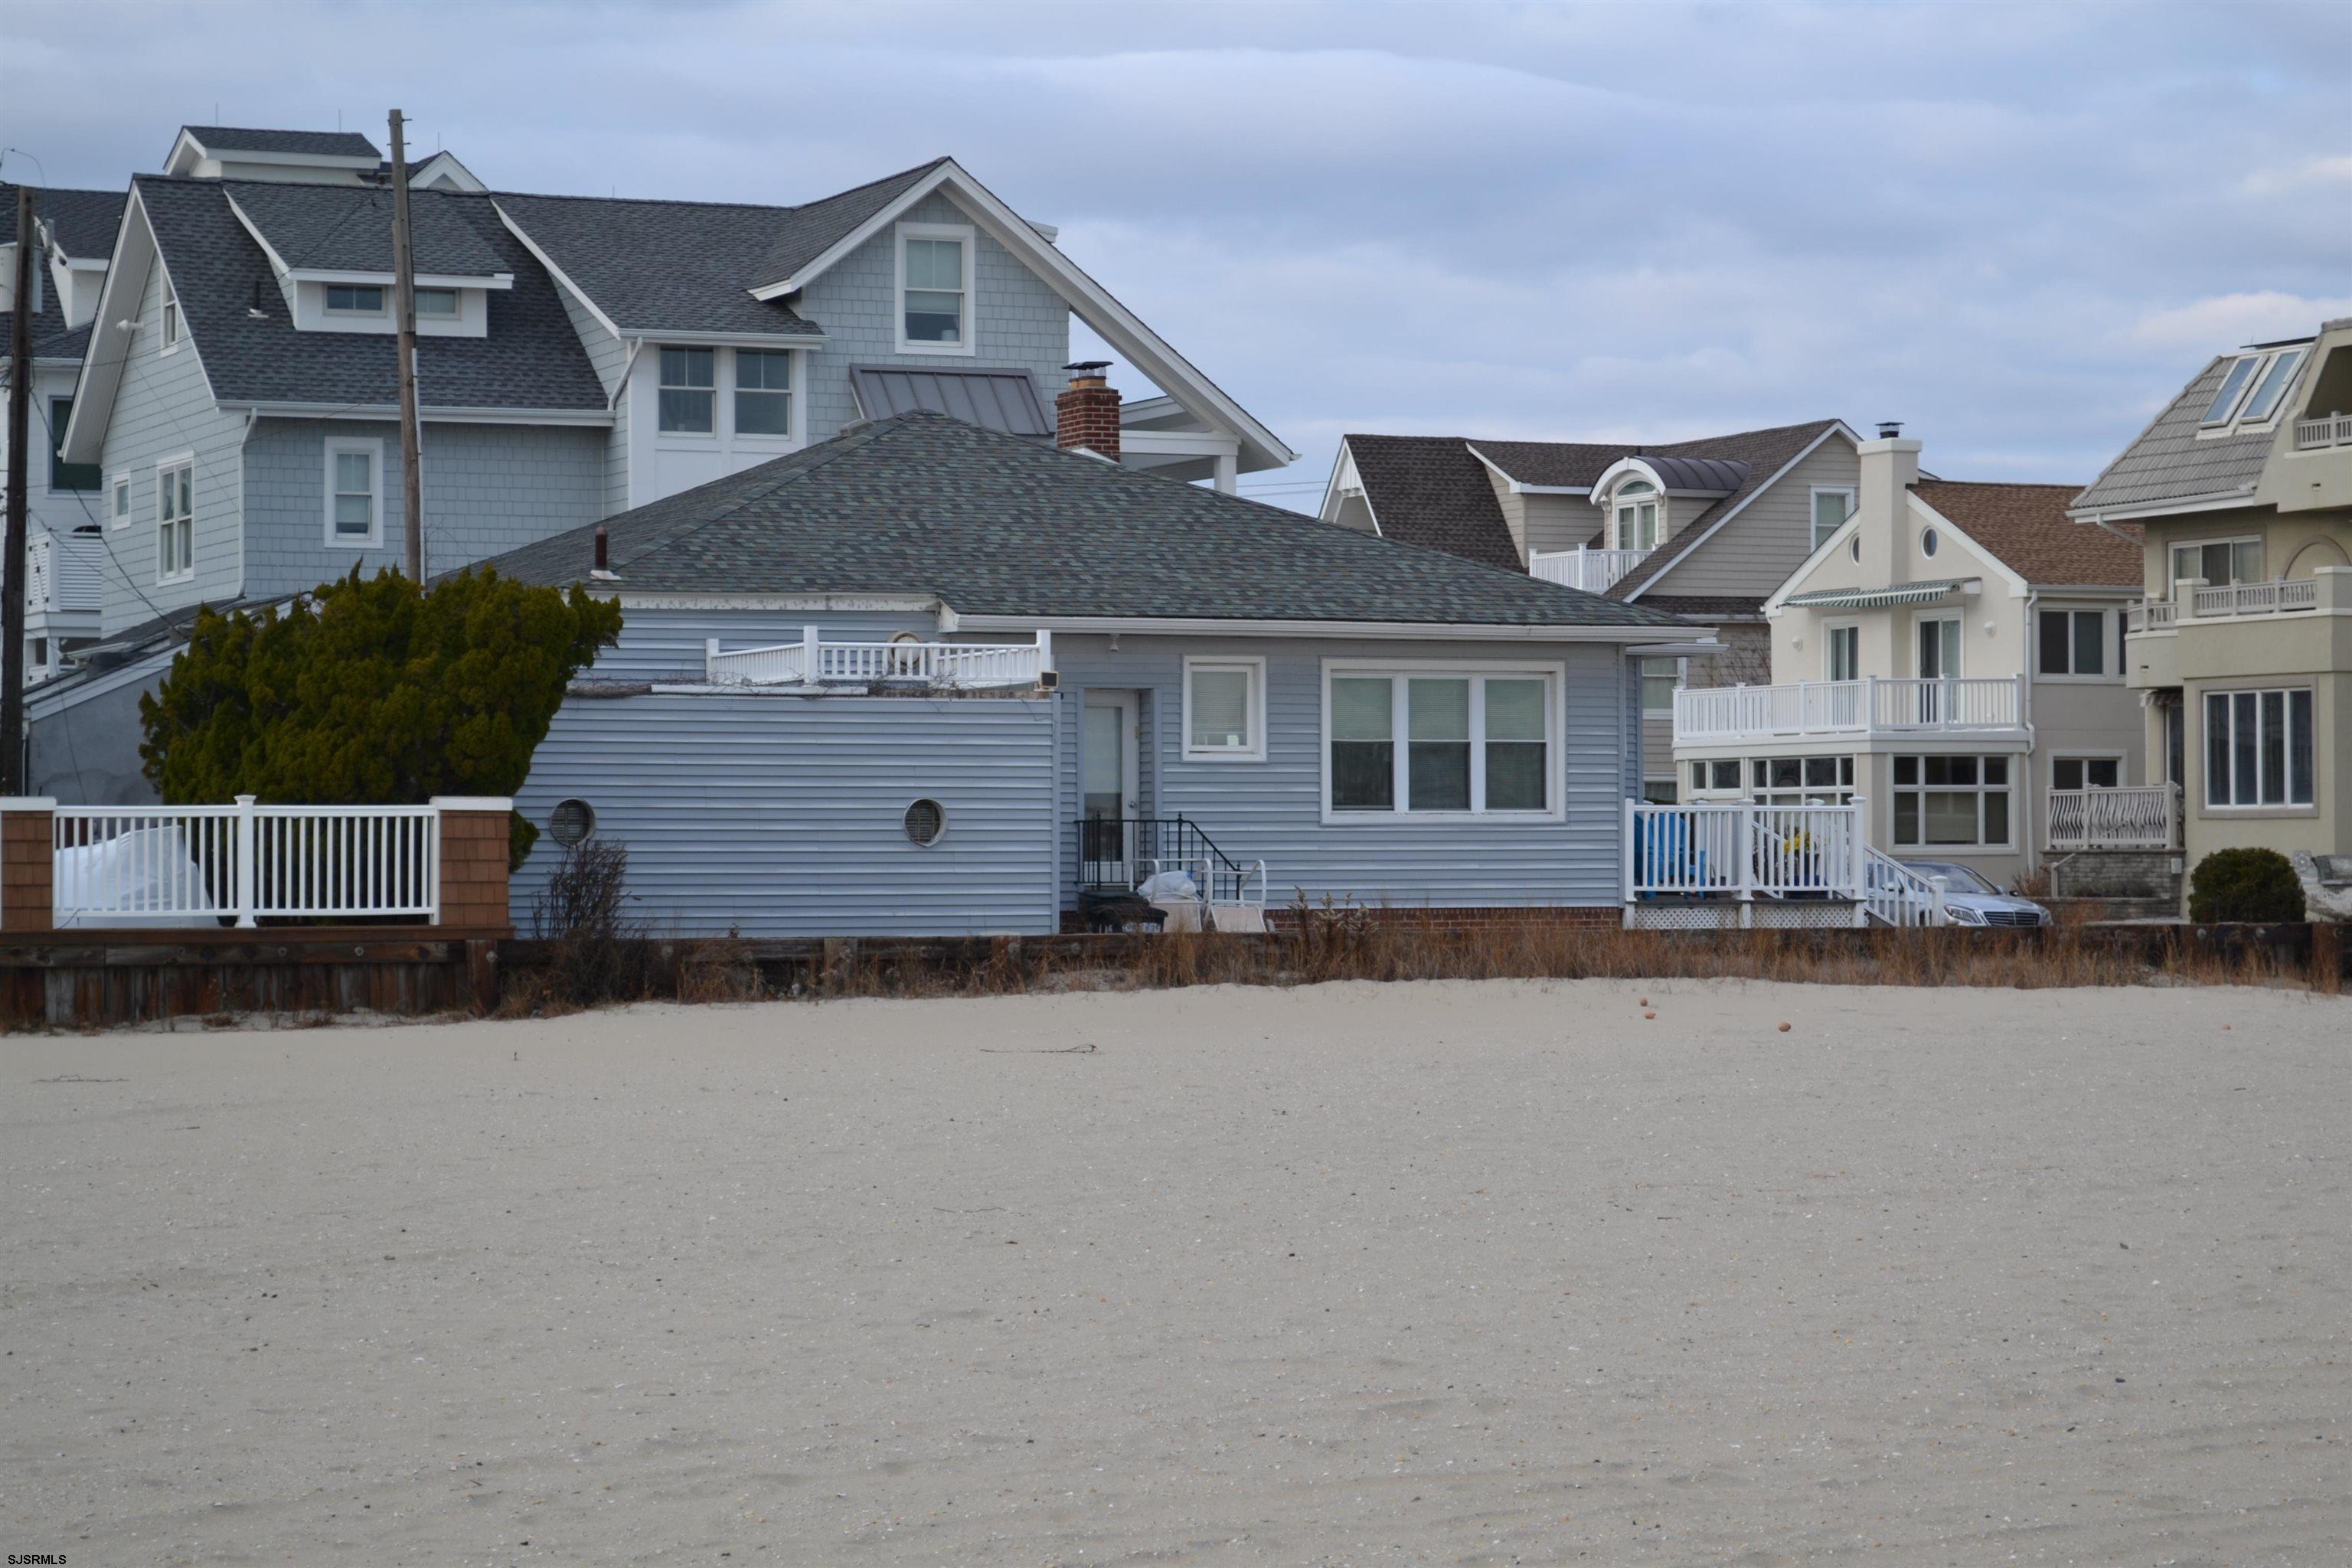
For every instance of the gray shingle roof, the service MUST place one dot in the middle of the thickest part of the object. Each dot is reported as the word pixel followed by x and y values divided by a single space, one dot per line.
pixel 52 339
pixel 532 358
pixel 1430 491
pixel 807 231
pixel 1765 453
pixel 997 524
pixel 655 265
pixel 219 138
pixel 2170 462
pixel 348 228
pixel 83 222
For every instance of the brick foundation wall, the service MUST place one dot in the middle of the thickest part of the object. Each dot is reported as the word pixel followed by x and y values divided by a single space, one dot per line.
pixel 474 864
pixel 2115 874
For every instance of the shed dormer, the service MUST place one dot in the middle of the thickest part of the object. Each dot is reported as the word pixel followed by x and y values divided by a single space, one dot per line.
pixel 303 157
pixel 330 256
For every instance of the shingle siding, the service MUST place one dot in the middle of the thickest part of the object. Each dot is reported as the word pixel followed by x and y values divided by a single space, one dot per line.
pixel 162 407
pixel 609 357
pixel 488 488
pixel 1019 322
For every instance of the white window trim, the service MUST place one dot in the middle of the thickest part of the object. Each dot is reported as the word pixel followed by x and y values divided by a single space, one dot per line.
pixel 2076 754
pixel 373 447
pixel 327 305
pixel 2232 540
pixel 2013 788
pixel 968 330
pixel 456 312
pixel 171 465
pixel 1555 678
pixel 1254 749
pixel 2202 760
pixel 1959 643
pixel 172 328
pixel 717 355
pixel 1621 503
pixel 796 369
pixel 1837 792
pixel 1813 534
pixel 2108 655
pixel 1682 678
pixel 122 516
pixel 1829 630
pixel 2242 426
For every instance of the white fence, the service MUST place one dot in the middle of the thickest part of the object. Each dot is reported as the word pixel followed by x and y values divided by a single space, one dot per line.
pixel 2259 598
pixel 195 864
pixel 814 662
pixel 2149 616
pixel 1594 571
pixel 2143 816
pixel 2328 430
pixel 1875 703
pixel 1896 895
pixel 1740 850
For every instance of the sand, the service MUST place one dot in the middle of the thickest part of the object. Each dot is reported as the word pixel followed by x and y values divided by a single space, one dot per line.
pixel 1443 1273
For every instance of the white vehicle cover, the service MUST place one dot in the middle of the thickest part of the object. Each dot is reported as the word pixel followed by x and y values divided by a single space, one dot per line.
pixel 144 877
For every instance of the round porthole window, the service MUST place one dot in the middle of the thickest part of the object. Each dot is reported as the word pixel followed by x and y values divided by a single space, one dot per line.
pixel 925 820
pixel 571 822
pixel 1854 549
pixel 1928 541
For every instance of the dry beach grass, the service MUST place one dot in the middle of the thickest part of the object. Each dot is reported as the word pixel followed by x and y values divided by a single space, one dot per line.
pixel 1462 1272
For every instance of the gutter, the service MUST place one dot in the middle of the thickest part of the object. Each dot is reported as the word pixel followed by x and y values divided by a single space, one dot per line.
pixel 1431 631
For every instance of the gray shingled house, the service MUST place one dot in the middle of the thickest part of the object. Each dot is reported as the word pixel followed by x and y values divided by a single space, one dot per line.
pixel 931 677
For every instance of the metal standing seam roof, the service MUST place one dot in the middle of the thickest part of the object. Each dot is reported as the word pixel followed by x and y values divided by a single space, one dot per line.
pixel 1004 400
pixel 2171 460
pixel 1706 476
pixel 993 523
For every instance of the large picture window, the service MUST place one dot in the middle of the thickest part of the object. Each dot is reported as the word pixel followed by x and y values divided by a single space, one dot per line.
pixel 1440 743
pixel 2258 748
pixel 1225 710
pixel 689 392
pixel 1952 801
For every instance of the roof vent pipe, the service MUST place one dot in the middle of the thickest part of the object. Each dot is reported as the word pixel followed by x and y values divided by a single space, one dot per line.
pixel 604 568
pixel 1889 429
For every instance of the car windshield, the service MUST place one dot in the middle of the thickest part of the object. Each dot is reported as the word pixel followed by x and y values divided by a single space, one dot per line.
pixel 1961 878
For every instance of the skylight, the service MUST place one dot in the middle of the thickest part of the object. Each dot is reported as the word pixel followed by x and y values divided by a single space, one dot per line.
pixel 2233 386
pixel 2265 401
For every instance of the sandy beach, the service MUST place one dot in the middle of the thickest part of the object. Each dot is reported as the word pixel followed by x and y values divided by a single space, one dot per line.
pixel 1443 1273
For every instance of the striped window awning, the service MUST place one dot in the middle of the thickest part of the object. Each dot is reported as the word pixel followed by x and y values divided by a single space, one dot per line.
pixel 1873 598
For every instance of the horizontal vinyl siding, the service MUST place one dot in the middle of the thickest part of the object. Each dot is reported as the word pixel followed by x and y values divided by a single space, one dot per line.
pixel 164 407
pixel 1755 552
pixel 784 816
pixel 1272 810
pixel 488 488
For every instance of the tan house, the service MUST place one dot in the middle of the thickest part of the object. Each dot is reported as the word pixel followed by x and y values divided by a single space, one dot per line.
pixel 1952 656
pixel 2240 644
pixel 1704 529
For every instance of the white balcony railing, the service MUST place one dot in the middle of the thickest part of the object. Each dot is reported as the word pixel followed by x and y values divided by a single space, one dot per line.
pixel 814 662
pixel 1742 850
pixel 200 865
pixel 2258 598
pixel 1871 705
pixel 2149 616
pixel 2328 430
pixel 1594 571
pixel 2143 816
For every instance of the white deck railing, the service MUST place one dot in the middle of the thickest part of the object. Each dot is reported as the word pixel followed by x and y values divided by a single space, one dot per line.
pixel 2150 615
pixel 1896 895
pixel 1594 571
pixel 195 864
pixel 2143 816
pixel 2258 598
pixel 1740 850
pixel 2328 430
pixel 1847 708
pixel 814 662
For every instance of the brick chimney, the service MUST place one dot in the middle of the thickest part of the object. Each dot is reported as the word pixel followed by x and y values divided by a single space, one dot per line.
pixel 1086 415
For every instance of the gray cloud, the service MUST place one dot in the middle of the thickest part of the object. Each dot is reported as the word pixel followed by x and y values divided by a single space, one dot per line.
pixel 2017 227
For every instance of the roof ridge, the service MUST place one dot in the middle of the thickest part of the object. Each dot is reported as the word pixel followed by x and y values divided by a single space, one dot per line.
pixel 737 206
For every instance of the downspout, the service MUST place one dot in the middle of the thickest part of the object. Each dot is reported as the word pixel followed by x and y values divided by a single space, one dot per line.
pixel 2026 666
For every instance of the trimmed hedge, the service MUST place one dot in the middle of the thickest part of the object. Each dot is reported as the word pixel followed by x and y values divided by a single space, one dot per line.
pixel 2257 885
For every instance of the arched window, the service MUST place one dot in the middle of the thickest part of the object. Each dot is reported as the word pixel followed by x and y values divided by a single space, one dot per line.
pixel 1637 517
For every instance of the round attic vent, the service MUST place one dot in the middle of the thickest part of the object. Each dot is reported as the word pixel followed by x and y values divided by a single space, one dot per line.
pixel 925 820
pixel 571 822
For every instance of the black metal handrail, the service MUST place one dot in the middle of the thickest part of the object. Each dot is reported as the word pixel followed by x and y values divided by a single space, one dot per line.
pixel 1111 846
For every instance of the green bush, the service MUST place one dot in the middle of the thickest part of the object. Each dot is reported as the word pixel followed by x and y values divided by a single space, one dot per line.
pixel 2257 885
pixel 372 691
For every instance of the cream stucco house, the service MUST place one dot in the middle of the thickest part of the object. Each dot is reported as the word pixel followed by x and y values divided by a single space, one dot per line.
pixel 1952 656
pixel 2240 648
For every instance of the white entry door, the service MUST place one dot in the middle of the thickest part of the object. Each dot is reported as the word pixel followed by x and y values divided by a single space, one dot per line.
pixel 1108 790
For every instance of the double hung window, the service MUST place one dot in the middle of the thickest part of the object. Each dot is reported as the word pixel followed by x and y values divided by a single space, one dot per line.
pixel 175 527
pixel 764 391
pixel 689 391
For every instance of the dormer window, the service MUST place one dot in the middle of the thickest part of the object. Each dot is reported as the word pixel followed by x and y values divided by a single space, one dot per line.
pixel 355 298
pixel 1637 515
pixel 935 289
pixel 441 304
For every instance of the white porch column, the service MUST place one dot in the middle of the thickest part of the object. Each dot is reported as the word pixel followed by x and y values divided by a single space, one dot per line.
pixel 1229 468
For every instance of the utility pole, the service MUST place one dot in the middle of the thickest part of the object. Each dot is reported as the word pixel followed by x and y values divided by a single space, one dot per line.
pixel 20 420
pixel 404 292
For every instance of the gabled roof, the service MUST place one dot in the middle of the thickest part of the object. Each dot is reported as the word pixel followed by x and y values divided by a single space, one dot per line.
pixel 532 359
pixel 2027 528
pixel 1765 452
pixel 1432 492
pixel 993 524
pixel 811 229
pixel 219 138
pixel 81 223
pixel 348 228
pixel 662 266
pixel 52 339
pixel 2170 461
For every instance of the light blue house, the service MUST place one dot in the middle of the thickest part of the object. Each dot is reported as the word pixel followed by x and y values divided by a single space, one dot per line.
pixel 930 677
pixel 577 357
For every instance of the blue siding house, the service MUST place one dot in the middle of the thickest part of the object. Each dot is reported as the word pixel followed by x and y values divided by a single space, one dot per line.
pixel 930 678
pixel 577 357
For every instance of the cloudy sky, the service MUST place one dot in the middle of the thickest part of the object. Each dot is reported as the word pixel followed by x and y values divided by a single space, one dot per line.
pixel 2017 228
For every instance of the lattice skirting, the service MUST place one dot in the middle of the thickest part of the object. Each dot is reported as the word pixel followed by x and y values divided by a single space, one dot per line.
pixel 1726 915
